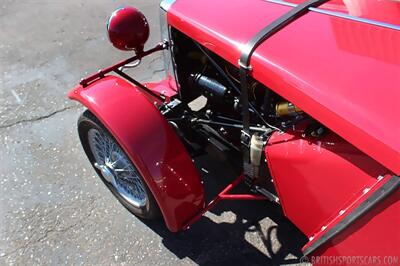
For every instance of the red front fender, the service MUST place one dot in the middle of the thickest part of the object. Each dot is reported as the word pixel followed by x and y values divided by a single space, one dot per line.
pixel 150 143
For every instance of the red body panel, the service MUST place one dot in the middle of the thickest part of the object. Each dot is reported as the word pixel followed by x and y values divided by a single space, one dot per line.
pixel 150 143
pixel 224 27
pixel 321 182
pixel 385 11
pixel 346 74
pixel 375 235
pixel 316 179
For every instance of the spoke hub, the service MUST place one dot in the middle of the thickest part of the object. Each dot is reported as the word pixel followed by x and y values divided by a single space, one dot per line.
pixel 106 171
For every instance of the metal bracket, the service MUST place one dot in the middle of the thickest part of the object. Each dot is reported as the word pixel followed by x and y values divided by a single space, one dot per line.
pixel 101 73
pixel 246 67
pixel 245 139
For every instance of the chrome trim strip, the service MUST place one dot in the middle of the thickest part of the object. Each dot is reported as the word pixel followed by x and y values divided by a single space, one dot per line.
pixel 358 19
pixel 341 15
pixel 166 4
pixel 280 2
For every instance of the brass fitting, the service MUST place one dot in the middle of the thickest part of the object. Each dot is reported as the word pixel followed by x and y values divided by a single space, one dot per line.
pixel 287 109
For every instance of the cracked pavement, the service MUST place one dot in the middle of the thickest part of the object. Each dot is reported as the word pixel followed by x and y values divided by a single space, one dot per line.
pixel 53 209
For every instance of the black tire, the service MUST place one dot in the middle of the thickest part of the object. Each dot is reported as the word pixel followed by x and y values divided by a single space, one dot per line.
pixel 88 121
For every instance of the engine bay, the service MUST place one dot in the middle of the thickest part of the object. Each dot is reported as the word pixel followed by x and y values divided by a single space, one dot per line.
pixel 209 110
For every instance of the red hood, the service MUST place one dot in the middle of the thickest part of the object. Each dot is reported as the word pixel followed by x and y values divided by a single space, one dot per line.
pixel 344 73
pixel 387 11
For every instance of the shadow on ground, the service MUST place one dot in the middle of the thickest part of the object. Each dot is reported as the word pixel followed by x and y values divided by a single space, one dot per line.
pixel 236 241
pixel 211 243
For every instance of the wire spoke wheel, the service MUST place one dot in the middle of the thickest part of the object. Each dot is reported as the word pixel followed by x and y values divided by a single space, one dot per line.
pixel 116 168
pixel 118 172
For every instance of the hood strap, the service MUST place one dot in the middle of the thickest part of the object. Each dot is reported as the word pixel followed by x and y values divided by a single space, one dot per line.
pixel 245 68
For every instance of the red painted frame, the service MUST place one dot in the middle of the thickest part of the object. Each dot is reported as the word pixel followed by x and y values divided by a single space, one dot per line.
pixel 224 195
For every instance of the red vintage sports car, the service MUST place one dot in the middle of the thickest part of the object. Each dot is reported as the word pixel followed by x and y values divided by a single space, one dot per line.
pixel 301 96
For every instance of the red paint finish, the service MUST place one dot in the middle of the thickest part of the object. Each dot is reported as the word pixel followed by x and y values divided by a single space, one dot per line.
pixel 387 11
pixel 128 29
pixel 166 87
pixel 345 74
pixel 316 179
pixel 223 26
pixel 150 143
pixel 375 235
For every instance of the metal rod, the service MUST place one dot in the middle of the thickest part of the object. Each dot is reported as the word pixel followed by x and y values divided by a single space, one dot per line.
pixel 242 197
pixel 84 82
pixel 239 126
pixel 267 194
pixel 229 119
pixel 138 84
pixel 223 195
